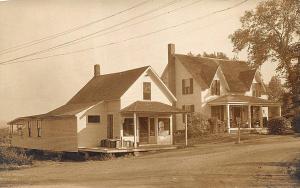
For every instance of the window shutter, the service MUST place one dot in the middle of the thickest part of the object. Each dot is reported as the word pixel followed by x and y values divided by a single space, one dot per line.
pixel 183 87
pixel 191 86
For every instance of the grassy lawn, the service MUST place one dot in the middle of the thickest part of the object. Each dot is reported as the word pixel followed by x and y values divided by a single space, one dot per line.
pixel 260 161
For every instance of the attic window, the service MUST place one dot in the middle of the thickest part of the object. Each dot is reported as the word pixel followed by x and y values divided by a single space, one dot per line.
pixel 147 90
pixel 256 89
pixel 215 87
pixel 94 119
pixel 187 86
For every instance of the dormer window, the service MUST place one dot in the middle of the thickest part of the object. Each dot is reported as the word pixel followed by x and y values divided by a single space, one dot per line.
pixel 256 90
pixel 187 86
pixel 215 87
pixel 147 90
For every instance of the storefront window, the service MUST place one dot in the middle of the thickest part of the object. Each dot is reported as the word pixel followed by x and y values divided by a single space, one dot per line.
pixel 128 127
pixel 163 126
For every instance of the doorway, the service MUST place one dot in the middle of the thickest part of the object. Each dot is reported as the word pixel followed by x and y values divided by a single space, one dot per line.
pixel 110 126
pixel 147 130
pixel 143 130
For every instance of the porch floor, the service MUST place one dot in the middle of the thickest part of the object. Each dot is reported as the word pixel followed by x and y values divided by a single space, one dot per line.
pixel 142 148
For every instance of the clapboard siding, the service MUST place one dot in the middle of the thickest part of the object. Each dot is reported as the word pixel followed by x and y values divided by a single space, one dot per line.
pixel 57 135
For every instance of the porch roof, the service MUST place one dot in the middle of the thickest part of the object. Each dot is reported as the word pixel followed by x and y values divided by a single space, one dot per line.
pixel 151 107
pixel 242 99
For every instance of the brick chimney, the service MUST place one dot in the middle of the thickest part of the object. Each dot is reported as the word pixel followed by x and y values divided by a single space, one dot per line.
pixel 96 70
pixel 171 65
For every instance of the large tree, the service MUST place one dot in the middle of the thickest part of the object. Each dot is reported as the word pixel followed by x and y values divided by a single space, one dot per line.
pixel 267 33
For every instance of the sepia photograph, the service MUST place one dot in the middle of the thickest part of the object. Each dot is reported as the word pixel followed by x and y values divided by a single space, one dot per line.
pixel 149 93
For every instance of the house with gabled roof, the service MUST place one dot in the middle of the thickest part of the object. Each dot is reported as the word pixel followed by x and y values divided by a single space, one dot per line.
pixel 133 106
pixel 229 90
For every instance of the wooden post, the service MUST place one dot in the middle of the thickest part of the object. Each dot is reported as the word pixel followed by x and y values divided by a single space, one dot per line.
pixel 186 133
pixel 228 118
pixel 121 137
pixel 135 129
pixel 171 128
pixel 249 116
pixel 260 117
pixel 238 120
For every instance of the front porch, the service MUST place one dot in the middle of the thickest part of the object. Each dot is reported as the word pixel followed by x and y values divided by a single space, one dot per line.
pixel 147 123
pixel 245 112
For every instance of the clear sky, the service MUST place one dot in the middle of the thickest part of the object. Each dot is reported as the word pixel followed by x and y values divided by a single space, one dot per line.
pixel 35 87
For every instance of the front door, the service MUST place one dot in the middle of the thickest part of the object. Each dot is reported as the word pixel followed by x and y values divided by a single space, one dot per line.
pixel 152 132
pixel 110 126
pixel 143 130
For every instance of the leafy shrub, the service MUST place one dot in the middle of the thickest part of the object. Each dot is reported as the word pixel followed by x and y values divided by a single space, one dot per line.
pixel 279 126
pixel 14 156
pixel 201 125
pixel 296 124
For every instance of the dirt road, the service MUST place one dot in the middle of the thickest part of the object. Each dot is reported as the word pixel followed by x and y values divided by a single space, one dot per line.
pixel 265 162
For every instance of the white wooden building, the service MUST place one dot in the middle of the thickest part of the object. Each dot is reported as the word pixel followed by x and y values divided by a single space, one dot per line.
pixel 133 105
pixel 226 89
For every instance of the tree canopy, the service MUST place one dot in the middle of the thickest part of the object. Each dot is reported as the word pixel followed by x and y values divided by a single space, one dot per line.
pixel 268 31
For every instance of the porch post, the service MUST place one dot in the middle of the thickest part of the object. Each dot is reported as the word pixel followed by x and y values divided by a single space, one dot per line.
pixel 279 109
pixel 249 115
pixel 186 135
pixel 260 117
pixel 135 131
pixel 171 128
pixel 228 118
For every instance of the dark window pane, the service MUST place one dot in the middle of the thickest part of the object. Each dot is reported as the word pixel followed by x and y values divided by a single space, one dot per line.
pixel 147 91
pixel 93 119
pixel 128 127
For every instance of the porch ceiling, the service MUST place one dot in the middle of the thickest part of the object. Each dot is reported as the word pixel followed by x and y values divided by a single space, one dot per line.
pixel 242 100
pixel 151 107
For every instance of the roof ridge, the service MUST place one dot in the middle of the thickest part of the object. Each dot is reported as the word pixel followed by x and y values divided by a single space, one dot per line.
pixel 125 71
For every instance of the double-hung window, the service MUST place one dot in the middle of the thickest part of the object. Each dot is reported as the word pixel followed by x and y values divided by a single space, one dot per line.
pixel 256 90
pixel 187 86
pixel 147 90
pixel 215 87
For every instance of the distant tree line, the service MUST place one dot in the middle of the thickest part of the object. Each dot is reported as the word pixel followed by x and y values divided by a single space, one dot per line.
pixel 217 55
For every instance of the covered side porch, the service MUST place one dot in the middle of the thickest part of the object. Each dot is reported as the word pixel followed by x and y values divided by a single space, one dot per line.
pixel 245 111
pixel 148 123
